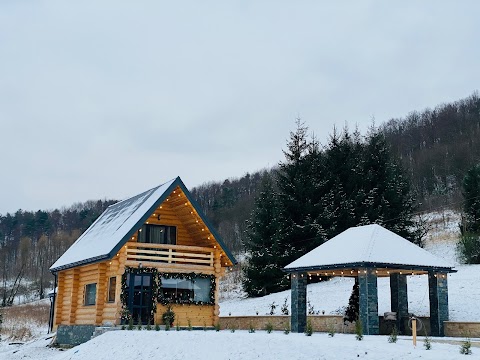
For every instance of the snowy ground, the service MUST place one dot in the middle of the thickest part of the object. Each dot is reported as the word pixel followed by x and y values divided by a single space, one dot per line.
pixel 211 345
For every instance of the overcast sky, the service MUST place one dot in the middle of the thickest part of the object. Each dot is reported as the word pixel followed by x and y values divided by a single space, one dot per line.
pixel 105 99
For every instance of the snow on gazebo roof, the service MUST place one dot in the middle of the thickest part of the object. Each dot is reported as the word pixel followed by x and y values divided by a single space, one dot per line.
pixel 369 245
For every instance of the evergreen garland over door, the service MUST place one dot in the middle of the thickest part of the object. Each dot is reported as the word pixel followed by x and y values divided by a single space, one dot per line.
pixel 139 288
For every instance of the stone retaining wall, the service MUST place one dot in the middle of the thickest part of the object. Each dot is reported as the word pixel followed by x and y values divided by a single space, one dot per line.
pixel 320 323
pixel 462 329
pixel 323 323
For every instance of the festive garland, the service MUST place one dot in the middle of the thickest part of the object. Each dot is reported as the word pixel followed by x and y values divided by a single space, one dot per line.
pixel 125 314
pixel 186 276
pixel 157 294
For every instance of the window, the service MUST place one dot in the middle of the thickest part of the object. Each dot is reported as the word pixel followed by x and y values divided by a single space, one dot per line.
pixel 90 294
pixel 158 234
pixel 112 284
pixel 186 290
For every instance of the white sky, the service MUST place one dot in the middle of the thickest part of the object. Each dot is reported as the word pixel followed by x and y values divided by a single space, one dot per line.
pixel 109 98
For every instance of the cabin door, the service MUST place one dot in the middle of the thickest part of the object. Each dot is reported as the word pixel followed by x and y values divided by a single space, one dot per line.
pixel 140 297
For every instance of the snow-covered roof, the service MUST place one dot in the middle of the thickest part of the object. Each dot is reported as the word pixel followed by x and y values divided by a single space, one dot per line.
pixel 369 244
pixel 114 227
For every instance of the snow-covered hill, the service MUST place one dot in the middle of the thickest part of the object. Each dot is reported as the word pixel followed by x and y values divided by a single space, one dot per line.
pixel 331 297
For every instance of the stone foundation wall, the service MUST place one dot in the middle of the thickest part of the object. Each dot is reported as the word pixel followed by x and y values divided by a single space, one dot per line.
pixel 320 323
pixel 462 329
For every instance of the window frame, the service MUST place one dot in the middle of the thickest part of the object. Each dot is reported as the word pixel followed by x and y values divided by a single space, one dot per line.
pixel 109 289
pixel 144 234
pixel 86 297
pixel 171 293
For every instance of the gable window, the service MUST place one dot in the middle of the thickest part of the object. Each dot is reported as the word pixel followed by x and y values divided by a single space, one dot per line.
pixel 90 294
pixel 112 284
pixel 158 234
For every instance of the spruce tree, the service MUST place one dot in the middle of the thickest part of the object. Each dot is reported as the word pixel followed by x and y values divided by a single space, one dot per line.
pixel 389 200
pixel 298 195
pixel 469 244
pixel 351 313
pixel 263 271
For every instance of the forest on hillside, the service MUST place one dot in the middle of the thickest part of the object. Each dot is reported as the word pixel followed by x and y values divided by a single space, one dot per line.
pixel 435 146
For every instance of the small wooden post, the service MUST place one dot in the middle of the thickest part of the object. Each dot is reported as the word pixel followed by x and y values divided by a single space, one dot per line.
pixel 414 331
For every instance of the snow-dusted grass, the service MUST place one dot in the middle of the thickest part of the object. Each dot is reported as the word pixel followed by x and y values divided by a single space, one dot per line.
pixel 24 322
pixel 211 345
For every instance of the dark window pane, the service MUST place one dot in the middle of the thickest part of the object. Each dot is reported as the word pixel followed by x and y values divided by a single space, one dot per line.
pixel 90 294
pixel 156 234
pixel 112 284
pixel 142 234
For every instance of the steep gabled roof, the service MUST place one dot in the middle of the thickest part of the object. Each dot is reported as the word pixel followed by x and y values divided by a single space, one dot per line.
pixel 105 237
pixel 369 245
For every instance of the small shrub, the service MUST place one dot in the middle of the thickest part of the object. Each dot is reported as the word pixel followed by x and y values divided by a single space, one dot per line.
pixel 286 329
pixel 217 326
pixel 168 316
pixel 311 309
pixel 149 325
pixel 123 327
pixel 269 327
pixel 130 324
pixel 189 325
pixel 273 306
pixel 233 328
pixel 427 344
pixel 358 330
pixel 393 335
pixel 251 328
pixel 331 329
pixel 465 347
pixel 309 328
pixel 177 326
pixel 167 327
pixel 157 327
pixel 284 308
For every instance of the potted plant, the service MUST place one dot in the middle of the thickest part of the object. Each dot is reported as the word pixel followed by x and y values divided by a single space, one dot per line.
pixel 168 316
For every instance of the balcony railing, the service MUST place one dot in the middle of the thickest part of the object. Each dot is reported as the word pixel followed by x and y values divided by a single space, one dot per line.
pixel 169 254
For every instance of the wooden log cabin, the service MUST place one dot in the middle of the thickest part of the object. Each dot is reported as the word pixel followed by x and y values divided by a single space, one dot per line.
pixel 143 254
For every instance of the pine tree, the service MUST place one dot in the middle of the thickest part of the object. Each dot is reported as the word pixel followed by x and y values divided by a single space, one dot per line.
pixel 298 195
pixel 469 244
pixel 351 314
pixel 389 199
pixel 471 203
pixel 263 274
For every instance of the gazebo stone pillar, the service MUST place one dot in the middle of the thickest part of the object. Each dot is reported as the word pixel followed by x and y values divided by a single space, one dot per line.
pixel 438 293
pixel 368 301
pixel 399 298
pixel 299 302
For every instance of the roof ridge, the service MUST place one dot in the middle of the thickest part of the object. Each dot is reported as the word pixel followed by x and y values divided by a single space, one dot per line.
pixel 143 192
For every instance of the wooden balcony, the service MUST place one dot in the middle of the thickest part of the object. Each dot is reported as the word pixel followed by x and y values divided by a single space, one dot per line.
pixel 170 258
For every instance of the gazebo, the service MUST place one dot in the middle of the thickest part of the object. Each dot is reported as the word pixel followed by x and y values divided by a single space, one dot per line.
pixel 367 253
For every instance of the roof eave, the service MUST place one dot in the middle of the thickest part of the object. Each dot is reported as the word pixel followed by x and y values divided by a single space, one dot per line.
pixel 80 263
pixel 371 265
pixel 206 222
